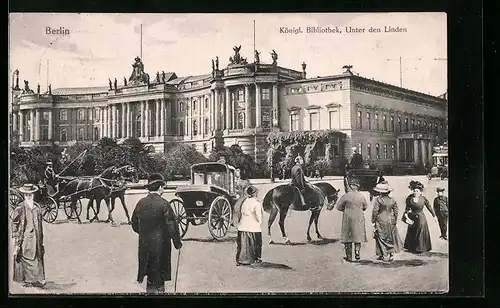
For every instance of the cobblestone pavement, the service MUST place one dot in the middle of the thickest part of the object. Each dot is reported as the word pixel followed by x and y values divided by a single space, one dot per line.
pixel 98 258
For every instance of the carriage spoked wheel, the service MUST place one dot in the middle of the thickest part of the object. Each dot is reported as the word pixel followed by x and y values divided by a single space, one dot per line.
pixel 14 199
pixel 180 215
pixel 71 214
pixel 49 209
pixel 219 218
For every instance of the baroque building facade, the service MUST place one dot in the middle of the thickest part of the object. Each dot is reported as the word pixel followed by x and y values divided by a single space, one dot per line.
pixel 238 104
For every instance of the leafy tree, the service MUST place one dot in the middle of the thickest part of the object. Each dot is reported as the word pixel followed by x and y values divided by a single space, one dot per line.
pixel 235 157
pixel 178 161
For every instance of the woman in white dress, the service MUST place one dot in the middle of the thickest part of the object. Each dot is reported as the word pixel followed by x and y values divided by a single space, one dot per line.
pixel 249 241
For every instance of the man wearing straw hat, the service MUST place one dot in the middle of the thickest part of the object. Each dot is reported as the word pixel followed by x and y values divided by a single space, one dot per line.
pixel 154 220
pixel 27 230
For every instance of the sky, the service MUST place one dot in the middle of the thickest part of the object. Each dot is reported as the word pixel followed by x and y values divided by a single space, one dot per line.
pixel 102 46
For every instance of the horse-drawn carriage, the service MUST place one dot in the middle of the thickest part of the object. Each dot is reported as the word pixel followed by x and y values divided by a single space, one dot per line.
pixel 50 204
pixel 210 198
pixel 368 179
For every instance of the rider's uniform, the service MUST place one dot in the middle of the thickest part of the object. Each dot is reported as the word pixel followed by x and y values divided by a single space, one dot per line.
pixel 50 180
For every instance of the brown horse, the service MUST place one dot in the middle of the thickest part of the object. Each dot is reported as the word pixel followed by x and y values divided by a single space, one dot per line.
pixel 281 198
pixel 127 173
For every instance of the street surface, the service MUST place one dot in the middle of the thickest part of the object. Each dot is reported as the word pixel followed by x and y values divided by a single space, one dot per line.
pixel 99 258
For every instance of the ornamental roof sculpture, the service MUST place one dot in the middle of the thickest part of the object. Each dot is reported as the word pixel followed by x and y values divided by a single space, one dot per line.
pixel 138 75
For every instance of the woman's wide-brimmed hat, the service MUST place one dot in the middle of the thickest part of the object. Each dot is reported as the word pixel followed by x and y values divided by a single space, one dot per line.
pixel 156 178
pixel 439 189
pixel 416 185
pixel 28 189
pixel 251 190
pixel 383 187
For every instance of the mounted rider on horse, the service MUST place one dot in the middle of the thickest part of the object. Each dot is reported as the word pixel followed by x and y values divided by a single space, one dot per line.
pixel 306 189
pixel 51 180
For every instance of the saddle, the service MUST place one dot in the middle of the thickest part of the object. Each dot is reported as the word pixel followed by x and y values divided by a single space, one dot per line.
pixel 305 199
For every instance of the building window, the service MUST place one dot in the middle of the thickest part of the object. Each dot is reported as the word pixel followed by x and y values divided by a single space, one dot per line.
pixel 385 122
pixel 80 135
pixel 436 131
pixel 46 115
pixel 400 126
pixel 429 128
pixel 377 124
pixel 441 128
pixel 266 93
pixel 90 114
pixel 205 148
pixel 64 135
pixel 393 127
pixel 97 114
pixel 360 148
pixel 206 127
pixel 195 127
pixel 393 151
pixel 181 106
pixel 360 120
pixel 406 125
pixel 45 133
pixel 369 120
pixel 314 121
pixel 207 103
pixel 241 120
pixel 96 133
pixel 335 148
pixel 194 105
pixel 81 114
pixel 28 132
pixel 181 128
pixel 138 125
pixel 369 150
pixel 294 122
pixel 385 151
pixel 266 118
pixel 334 119
pixel 377 151
pixel 413 124
pixel 63 115
pixel 241 95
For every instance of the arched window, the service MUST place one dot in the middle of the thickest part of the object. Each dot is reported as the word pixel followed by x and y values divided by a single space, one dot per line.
pixel 377 151
pixel 195 127
pixel 64 135
pixel 206 103
pixel 80 135
pixel 206 127
pixel 81 114
pixel 369 120
pixel 181 128
pixel 96 133
pixel 138 126
pixel 360 120
pixel 369 150
pixel 45 133
pixel 241 120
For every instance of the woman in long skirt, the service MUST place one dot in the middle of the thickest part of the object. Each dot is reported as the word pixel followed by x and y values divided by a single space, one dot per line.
pixel 384 219
pixel 418 238
pixel 249 240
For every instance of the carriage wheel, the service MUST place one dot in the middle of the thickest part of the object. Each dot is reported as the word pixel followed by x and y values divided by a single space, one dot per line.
pixel 71 214
pixel 219 218
pixel 14 199
pixel 180 215
pixel 49 209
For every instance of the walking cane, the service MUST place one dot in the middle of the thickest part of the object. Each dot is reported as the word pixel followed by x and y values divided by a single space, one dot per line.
pixel 177 270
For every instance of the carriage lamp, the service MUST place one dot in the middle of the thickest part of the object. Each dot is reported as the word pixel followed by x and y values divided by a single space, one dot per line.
pixel 199 203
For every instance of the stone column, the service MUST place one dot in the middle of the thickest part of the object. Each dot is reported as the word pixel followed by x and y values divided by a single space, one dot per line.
pixel 275 105
pixel 108 122
pixel 424 154
pixel 228 109
pixel 158 111
pixel 21 126
pixel 37 125
pixel 113 121
pixel 189 121
pixel 258 107
pixel 162 117
pixel 202 116
pixel 129 119
pixel 124 133
pixel 147 119
pixel 415 151
pixel 103 122
pixel 51 125
pixel 234 116
pixel 429 152
pixel 216 110
pixel 397 149
pixel 14 121
pixel 248 110
pixel 143 120
pixel 32 125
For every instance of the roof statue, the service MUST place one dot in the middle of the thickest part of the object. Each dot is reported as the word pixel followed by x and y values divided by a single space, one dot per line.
pixel 27 89
pixel 157 77
pixel 116 84
pixel 138 75
pixel 347 69
pixel 124 81
pixel 236 58
pixel 257 58
pixel 216 63
pixel 213 65
pixel 163 76
pixel 16 73
pixel 110 84
pixel 274 56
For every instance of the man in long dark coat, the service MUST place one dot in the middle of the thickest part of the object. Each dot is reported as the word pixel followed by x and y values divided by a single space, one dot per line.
pixel 154 220
pixel 298 178
pixel 356 161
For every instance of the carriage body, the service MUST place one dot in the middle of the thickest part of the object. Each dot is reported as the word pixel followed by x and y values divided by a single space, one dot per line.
pixel 440 162
pixel 368 179
pixel 209 198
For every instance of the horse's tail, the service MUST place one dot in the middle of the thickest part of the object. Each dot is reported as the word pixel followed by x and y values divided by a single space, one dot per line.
pixel 267 204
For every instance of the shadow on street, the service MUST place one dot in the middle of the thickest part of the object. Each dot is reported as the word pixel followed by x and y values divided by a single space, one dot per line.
pixel 324 241
pixel 393 264
pixel 51 285
pixel 210 240
pixel 268 265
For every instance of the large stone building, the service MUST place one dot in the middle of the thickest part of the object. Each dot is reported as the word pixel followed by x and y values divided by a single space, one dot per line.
pixel 238 104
